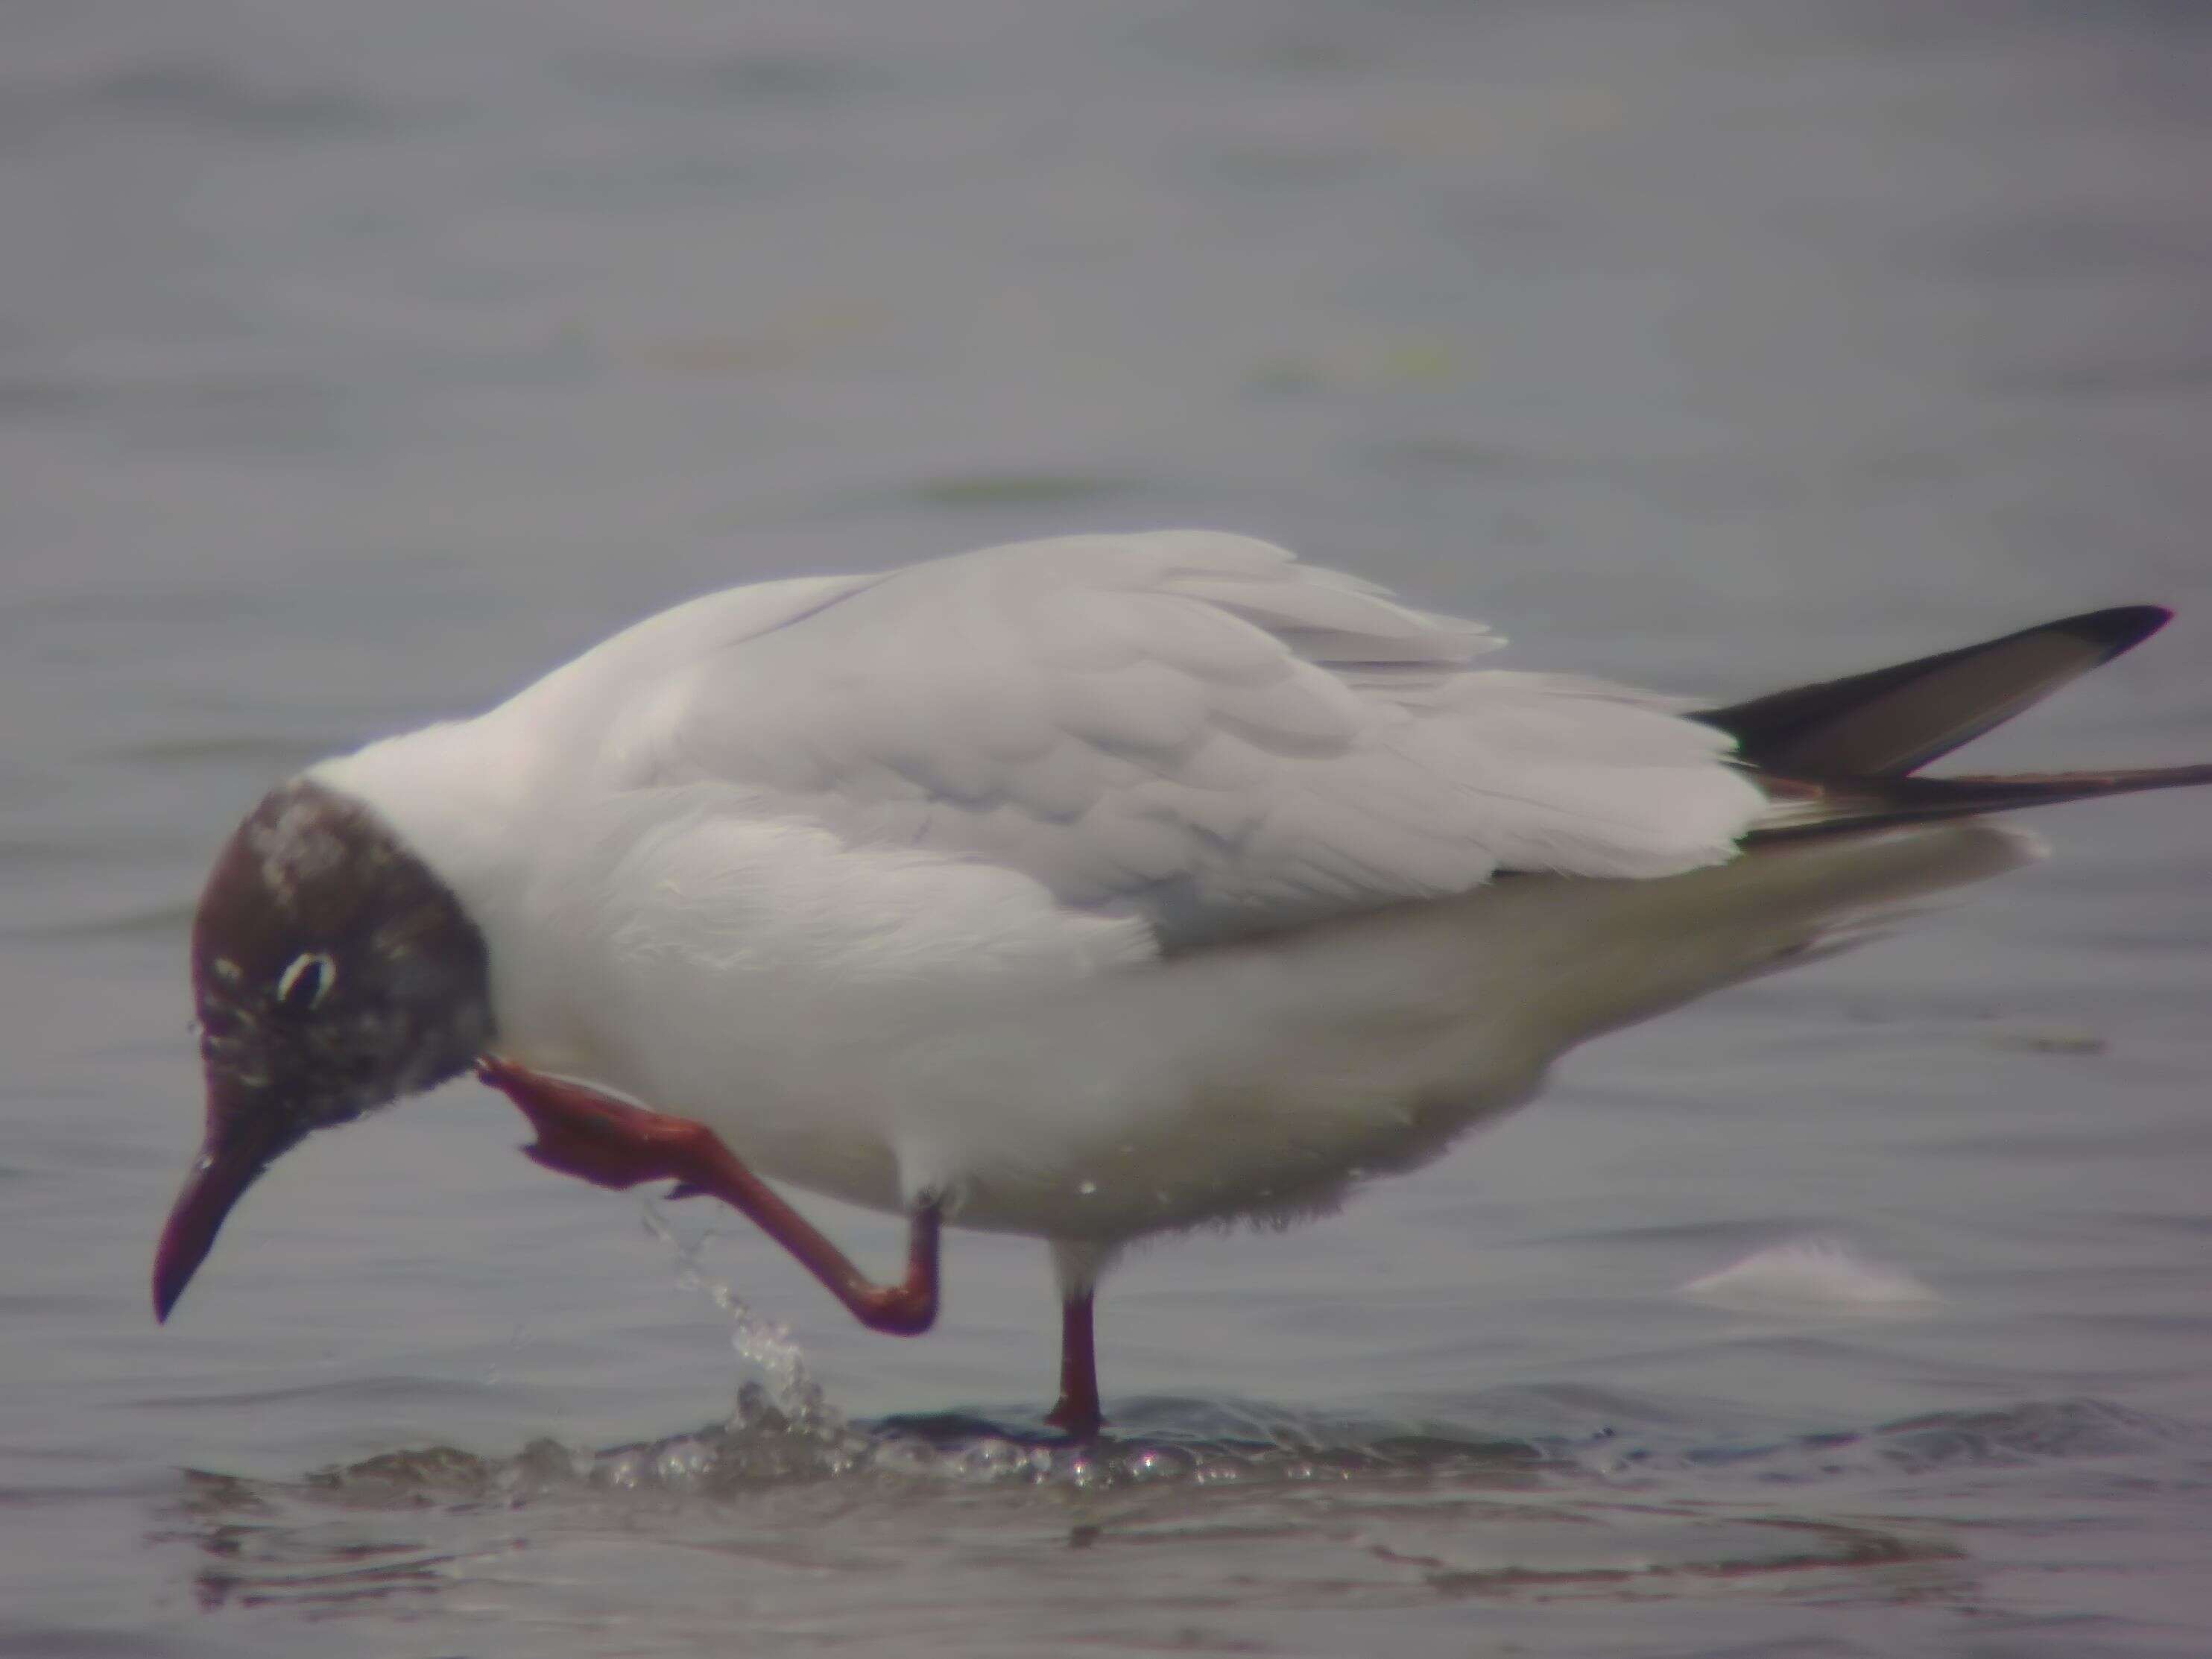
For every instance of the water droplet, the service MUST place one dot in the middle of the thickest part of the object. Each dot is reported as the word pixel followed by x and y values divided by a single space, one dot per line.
pixel 621 1472
pixel 1086 1187
pixel 1155 1465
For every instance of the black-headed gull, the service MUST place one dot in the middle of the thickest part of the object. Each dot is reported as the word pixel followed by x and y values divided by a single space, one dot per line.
pixel 1086 888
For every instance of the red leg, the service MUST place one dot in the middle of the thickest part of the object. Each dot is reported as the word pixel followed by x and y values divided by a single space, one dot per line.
pixel 1077 1411
pixel 583 1132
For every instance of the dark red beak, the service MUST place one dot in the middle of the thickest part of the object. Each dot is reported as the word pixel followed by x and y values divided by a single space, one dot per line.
pixel 219 1177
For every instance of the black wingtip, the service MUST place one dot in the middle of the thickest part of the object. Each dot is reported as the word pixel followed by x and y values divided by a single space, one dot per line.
pixel 2122 628
pixel 1894 721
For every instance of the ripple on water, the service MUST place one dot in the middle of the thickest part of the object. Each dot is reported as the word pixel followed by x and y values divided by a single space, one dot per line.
pixel 1306 1514
pixel 791 1514
pixel 1325 1511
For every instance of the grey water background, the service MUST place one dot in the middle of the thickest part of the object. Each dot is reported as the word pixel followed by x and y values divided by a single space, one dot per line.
pixel 357 362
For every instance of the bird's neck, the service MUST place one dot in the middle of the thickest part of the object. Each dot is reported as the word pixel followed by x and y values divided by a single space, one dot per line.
pixel 476 801
pixel 453 793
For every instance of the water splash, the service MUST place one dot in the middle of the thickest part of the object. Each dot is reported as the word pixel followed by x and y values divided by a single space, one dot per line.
pixel 791 1391
pixel 1174 1444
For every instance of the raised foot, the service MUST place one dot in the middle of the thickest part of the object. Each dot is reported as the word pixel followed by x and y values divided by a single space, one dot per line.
pixel 593 1137
pixel 610 1143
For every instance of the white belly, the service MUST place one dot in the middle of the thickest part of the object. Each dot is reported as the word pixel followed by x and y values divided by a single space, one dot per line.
pixel 876 1036
pixel 1070 1099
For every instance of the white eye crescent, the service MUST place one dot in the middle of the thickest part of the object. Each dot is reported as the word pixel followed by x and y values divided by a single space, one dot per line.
pixel 305 982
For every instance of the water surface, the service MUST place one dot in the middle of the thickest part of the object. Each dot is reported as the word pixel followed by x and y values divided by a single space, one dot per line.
pixel 358 363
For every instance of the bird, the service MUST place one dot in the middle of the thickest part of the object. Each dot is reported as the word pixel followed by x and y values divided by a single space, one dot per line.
pixel 1090 889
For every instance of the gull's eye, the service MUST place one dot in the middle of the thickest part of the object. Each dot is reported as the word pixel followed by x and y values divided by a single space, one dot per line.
pixel 305 982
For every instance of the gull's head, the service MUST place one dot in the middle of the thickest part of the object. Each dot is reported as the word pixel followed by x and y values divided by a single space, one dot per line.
pixel 332 973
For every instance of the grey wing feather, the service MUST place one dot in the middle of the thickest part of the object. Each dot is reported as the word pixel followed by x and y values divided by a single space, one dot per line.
pixel 1191 727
